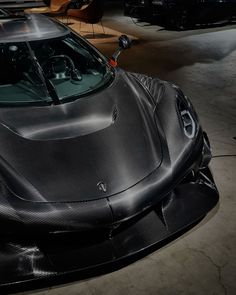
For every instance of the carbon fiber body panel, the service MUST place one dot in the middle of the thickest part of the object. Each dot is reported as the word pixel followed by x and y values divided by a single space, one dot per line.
pixel 78 239
pixel 29 262
pixel 87 185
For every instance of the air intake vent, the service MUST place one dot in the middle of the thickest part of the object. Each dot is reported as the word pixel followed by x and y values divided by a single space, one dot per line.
pixel 114 115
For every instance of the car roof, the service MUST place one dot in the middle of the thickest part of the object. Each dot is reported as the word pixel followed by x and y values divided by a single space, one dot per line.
pixel 28 27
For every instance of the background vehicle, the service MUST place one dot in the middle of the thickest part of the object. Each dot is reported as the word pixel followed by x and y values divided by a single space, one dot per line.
pixel 181 13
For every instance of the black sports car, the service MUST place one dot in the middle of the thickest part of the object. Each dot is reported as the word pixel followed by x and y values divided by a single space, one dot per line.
pixel 181 14
pixel 96 164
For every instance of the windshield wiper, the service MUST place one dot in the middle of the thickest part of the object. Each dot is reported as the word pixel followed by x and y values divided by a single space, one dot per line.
pixel 48 85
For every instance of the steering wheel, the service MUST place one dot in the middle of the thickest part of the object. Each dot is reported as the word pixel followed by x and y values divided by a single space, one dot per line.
pixel 61 67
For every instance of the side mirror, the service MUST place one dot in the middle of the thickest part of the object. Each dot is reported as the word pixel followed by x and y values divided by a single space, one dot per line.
pixel 124 43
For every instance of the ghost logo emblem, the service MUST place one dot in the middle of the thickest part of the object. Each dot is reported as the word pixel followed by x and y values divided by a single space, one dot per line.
pixel 102 186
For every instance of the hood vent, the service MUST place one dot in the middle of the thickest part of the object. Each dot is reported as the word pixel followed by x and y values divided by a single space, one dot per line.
pixel 114 114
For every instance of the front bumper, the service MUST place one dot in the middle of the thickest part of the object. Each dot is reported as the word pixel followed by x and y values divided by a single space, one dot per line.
pixel 29 262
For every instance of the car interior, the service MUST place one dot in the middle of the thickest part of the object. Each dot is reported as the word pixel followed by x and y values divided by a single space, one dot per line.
pixel 63 64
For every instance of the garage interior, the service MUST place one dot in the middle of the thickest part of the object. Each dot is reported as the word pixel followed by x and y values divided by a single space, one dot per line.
pixel 202 62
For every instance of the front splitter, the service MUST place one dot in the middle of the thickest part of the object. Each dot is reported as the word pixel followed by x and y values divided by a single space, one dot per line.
pixel 30 262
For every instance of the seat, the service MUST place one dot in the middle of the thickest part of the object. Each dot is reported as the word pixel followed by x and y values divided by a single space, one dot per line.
pixel 90 14
pixel 57 7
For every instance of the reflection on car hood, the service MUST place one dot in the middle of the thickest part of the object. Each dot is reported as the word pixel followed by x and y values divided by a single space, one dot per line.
pixel 91 148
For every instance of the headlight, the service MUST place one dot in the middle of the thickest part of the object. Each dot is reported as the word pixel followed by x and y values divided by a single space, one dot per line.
pixel 187 114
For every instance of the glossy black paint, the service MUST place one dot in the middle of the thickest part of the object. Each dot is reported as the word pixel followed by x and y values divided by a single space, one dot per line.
pixel 89 183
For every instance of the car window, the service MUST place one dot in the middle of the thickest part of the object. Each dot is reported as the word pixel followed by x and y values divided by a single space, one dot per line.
pixel 20 81
pixel 72 67
pixel 50 70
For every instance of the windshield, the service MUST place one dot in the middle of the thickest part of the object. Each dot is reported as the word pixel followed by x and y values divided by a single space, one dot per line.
pixel 50 71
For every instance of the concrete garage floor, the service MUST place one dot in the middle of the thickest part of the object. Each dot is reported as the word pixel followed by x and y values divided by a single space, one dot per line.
pixel 203 63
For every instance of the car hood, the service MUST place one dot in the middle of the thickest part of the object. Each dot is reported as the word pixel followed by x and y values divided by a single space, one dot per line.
pixel 91 148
